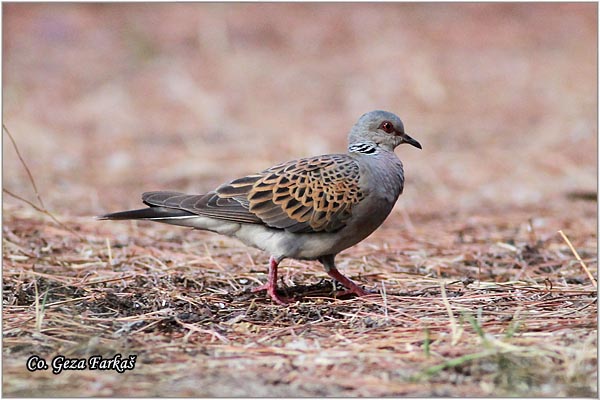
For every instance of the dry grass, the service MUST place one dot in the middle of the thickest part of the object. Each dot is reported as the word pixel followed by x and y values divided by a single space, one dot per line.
pixel 459 317
pixel 476 292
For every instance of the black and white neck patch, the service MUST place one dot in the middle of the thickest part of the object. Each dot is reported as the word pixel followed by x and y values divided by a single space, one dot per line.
pixel 364 148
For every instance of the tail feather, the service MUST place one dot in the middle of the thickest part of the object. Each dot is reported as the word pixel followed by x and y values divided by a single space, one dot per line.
pixel 152 213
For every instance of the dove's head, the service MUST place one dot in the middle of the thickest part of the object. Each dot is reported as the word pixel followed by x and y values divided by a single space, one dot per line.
pixel 381 128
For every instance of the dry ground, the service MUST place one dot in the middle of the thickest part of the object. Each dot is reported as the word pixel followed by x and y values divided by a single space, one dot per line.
pixel 476 293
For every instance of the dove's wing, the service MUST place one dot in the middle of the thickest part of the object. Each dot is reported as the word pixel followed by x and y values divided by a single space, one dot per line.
pixel 314 194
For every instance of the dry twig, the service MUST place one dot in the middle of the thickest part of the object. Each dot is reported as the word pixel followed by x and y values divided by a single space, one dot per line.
pixel 42 208
pixel 585 268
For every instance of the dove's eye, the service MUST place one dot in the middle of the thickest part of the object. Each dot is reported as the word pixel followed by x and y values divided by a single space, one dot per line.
pixel 387 126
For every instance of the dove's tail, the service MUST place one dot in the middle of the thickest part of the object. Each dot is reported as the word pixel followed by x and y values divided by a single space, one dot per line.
pixel 162 214
pixel 170 214
pixel 170 208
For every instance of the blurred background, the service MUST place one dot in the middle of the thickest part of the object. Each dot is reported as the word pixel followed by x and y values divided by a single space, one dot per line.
pixel 109 100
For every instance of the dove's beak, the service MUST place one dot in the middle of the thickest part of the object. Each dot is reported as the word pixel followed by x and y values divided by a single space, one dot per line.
pixel 409 140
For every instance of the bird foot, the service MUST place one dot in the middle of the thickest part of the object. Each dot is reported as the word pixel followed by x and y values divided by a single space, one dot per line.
pixel 279 299
pixel 260 288
pixel 352 288
pixel 271 287
pixel 273 293
pixel 357 290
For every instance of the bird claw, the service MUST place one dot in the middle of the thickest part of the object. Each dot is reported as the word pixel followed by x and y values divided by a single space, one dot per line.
pixel 273 294
pixel 279 299
pixel 355 290
pixel 260 288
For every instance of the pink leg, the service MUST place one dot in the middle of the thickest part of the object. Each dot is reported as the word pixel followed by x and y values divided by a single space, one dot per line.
pixel 332 271
pixel 271 285
pixel 352 287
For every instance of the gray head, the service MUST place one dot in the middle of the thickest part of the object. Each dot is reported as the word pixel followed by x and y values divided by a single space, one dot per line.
pixel 381 128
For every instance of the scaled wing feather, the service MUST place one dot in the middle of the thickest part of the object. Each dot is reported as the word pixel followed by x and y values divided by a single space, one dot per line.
pixel 307 195
pixel 314 194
